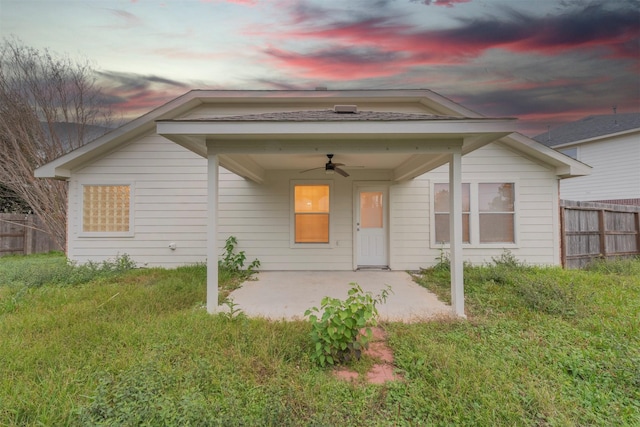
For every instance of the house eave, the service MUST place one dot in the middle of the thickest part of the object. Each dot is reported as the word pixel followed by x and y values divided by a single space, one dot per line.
pixel 596 138
pixel 563 165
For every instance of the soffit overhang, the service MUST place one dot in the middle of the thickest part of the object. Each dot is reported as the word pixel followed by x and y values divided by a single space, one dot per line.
pixel 407 144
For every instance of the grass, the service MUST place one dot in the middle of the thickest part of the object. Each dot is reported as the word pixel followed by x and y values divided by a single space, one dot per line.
pixel 542 346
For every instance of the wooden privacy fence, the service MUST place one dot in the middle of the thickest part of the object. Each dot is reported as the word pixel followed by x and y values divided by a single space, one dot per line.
pixel 598 230
pixel 22 234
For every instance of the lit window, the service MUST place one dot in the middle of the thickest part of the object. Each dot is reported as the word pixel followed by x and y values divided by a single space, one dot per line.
pixel 106 208
pixel 441 198
pixel 311 213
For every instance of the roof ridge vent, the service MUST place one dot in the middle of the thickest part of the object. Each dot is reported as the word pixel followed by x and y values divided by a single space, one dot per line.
pixel 345 109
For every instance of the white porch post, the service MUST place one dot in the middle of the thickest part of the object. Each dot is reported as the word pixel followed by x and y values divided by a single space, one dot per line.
pixel 455 233
pixel 212 231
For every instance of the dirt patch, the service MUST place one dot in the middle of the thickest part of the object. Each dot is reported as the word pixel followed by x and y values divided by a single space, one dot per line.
pixel 383 370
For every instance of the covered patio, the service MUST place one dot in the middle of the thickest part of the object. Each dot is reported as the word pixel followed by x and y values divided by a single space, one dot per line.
pixel 287 295
pixel 401 146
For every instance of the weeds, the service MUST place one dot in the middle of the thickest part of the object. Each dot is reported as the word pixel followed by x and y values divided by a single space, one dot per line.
pixel 233 312
pixel 233 261
pixel 337 334
pixel 620 266
pixel 54 269
pixel 77 355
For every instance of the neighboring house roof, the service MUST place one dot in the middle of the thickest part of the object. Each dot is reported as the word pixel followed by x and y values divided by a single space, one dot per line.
pixel 589 128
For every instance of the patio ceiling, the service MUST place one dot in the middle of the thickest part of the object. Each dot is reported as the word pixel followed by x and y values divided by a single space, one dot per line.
pixel 409 145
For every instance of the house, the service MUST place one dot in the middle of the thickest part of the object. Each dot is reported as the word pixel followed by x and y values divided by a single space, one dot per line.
pixel 611 145
pixel 169 187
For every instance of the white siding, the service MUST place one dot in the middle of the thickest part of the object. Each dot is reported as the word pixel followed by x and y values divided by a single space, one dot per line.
pixel 169 205
pixel 537 229
pixel 259 214
pixel 615 173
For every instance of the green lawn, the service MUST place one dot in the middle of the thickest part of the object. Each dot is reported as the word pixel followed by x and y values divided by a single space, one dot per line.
pixel 106 345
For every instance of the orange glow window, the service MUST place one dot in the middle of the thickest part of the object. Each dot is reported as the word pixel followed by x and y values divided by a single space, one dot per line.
pixel 311 213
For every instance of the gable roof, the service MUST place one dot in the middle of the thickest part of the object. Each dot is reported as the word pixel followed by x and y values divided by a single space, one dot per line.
pixel 590 127
pixel 172 113
pixel 330 116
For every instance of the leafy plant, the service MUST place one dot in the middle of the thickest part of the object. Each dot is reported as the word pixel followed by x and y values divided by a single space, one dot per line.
pixel 233 261
pixel 508 260
pixel 444 262
pixel 234 312
pixel 337 334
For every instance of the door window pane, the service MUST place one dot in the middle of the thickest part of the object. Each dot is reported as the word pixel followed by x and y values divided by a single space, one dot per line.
pixel 371 209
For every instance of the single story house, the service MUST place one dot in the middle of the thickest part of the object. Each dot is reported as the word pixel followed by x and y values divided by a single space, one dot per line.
pixel 610 144
pixel 315 180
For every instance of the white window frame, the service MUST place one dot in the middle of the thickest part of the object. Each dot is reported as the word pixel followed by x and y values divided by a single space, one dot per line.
pixel 292 215
pixel 105 234
pixel 474 215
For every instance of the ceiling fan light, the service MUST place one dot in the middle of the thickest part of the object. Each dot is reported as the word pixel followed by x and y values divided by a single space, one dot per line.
pixel 329 171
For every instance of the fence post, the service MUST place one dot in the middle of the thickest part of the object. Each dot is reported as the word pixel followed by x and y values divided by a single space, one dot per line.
pixel 637 232
pixel 27 247
pixel 563 239
pixel 603 234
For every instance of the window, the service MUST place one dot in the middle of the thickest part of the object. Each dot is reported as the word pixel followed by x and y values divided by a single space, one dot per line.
pixel 311 212
pixel 441 197
pixel 106 209
pixel 488 213
pixel 571 152
pixel 496 213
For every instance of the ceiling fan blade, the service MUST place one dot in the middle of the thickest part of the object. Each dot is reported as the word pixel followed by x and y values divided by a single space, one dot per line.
pixel 312 169
pixel 341 172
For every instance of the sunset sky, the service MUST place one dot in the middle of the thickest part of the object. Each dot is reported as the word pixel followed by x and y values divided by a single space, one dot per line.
pixel 543 61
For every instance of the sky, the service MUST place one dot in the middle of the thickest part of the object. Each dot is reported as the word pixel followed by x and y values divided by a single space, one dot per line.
pixel 545 62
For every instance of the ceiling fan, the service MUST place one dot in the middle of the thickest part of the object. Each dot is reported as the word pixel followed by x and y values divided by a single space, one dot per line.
pixel 330 167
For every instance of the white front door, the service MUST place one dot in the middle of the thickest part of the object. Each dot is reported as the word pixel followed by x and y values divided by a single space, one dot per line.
pixel 371 220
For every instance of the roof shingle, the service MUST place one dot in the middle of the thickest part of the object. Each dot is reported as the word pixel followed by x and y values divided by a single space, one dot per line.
pixel 329 115
pixel 589 127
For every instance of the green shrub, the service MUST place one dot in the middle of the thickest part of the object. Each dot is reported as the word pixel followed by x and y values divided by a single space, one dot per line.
pixel 234 262
pixel 336 335
pixel 507 260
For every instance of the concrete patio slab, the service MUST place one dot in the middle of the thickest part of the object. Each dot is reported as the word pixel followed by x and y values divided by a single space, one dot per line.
pixel 288 294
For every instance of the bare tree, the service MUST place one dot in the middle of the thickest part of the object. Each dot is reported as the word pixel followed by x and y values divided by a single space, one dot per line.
pixel 49 105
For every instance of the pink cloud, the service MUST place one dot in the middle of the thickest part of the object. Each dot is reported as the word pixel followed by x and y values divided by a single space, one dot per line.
pixel 614 33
